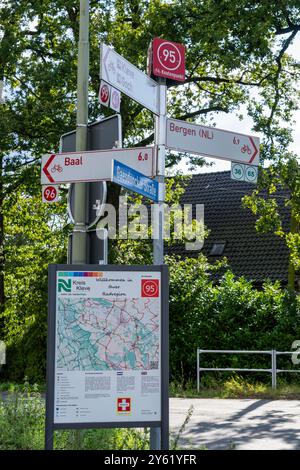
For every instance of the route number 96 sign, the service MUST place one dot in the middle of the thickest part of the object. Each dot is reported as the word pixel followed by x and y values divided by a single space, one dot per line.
pixel 168 59
pixel 50 193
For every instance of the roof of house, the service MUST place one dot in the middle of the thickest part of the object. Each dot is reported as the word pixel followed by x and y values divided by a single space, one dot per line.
pixel 255 255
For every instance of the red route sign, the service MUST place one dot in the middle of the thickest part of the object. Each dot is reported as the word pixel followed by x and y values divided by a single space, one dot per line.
pixel 50 194
pixel 168 59
pixel 150 288
pixel 104 93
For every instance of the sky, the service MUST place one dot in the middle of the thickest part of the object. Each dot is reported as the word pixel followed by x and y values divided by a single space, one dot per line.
pixel 231 123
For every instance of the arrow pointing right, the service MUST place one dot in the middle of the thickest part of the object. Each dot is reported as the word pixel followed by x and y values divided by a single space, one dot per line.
pixel 255 150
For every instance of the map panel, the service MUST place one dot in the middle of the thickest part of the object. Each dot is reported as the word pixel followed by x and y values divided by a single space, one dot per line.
pixel 97 334
pixel 107 346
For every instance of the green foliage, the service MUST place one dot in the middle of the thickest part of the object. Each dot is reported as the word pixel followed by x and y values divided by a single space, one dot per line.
pixel 22 427
pixel 279 187
pixel 35 236
pixel 229 315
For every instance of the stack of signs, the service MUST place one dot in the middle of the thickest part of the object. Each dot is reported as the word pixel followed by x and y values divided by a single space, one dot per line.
pixel 109 96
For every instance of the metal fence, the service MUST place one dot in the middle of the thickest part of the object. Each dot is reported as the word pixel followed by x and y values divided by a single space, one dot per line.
pixel 273 370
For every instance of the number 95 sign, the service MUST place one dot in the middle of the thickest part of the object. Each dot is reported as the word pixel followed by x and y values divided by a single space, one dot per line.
pixel 150 288
pixel 168 59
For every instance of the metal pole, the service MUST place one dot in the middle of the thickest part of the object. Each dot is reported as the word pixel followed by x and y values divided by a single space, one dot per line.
pixel 198 372
pixel 274 369
pixel 79 243
pixel 79 251
pixel 158 242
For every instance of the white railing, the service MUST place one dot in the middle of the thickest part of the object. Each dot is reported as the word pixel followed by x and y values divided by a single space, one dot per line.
pixel 273 370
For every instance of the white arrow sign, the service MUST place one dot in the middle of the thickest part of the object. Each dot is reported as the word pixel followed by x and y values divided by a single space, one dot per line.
pixel 94 166
pixel 216 143
pixel 127 78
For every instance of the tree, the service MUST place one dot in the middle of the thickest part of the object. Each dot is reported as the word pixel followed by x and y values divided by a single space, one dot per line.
pixel 237 55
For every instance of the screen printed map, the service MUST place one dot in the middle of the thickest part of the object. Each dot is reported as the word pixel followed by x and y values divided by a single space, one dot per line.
pixel 101 334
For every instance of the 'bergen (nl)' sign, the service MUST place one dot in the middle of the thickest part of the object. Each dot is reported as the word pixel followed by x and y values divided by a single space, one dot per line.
pixel 212 142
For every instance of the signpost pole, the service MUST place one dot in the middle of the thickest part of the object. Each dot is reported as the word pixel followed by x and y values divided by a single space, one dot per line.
pixel 79 231
pixel 158 439
pixel 79 244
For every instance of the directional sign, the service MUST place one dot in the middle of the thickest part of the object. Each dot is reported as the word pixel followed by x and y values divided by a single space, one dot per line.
pixel 216 143
pixel 134 180
pixel 127 78
pixel 168 59
pixel 50 194
pixel 242 172
pixel 94 166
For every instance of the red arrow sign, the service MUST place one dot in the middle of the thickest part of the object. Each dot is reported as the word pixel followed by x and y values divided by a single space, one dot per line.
pixel 96 165
pixel 213 142
pixel 46 166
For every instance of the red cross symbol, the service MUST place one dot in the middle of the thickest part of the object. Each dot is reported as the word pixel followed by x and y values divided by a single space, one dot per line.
pixel 124 405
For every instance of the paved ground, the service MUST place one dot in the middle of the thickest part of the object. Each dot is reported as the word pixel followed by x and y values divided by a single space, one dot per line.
pixel 242 424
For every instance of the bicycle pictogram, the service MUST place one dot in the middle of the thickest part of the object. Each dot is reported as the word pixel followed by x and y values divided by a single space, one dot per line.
pixel 111 67
pixel 56 168
pixel 245 149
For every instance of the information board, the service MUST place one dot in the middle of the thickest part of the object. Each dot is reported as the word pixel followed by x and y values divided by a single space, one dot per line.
pixel 107 346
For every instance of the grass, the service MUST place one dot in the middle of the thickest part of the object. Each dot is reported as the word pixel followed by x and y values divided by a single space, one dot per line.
pixel 235 387
pixel 22 427
pixel 24 387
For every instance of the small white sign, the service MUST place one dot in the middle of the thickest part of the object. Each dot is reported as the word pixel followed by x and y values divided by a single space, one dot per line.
pixel 127 78
pixel 50 193
pixel 115 99
pixel 251 173
pixel 241 172
pixel 237 171
pixel 104 93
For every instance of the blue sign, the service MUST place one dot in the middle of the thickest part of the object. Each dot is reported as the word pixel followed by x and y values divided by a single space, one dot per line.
pixel 134 180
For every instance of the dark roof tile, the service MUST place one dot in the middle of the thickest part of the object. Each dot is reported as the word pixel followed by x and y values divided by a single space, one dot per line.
pixel 254 255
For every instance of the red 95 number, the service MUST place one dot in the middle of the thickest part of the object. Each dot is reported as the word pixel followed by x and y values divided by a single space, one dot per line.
pixel 150 287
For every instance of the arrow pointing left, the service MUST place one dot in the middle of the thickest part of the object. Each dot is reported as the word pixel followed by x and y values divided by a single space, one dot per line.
pixel 46 166
pixel 73 167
